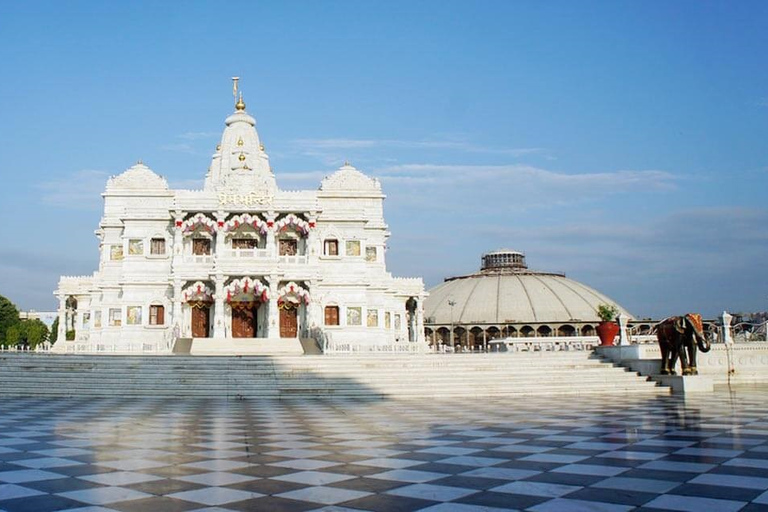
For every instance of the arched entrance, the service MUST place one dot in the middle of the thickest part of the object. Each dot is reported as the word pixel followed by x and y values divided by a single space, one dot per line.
pixel 201 319
pixel 244 319
pixel 199 298
pixel 289 319
pixel 245 297
pixel 292 307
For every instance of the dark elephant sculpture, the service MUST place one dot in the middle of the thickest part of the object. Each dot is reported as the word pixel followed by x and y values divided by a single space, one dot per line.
pixel 678 338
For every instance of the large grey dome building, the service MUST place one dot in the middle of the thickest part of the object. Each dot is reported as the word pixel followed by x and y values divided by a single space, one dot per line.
pixel 506 299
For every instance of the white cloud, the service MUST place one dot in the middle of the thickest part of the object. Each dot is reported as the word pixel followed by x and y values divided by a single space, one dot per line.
pixel 484 188
pixel 199 135
pixel 320 146
pixel 79 191
pixel 180 147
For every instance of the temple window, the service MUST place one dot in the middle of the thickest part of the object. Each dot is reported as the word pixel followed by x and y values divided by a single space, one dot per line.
pixel 135 247
pixel 331 248
pixel 371 254
pixel 156 315
pixel 201 246
pixel 115 317
pixel 331 315
pixel 373 318
pixel 288 247
pixel 387 320
pixel 133 315
pixel 157 246
pixel 116 252
pixel 354 316
pixel 353 247
pixel 244 243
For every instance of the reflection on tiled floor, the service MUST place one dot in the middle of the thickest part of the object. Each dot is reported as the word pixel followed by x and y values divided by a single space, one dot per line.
pixel 602 453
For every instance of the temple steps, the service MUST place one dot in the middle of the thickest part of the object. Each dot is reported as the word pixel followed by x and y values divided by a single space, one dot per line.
pixel 376 376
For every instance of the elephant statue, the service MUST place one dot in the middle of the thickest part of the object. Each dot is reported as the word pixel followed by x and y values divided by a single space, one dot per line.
pixel 678 337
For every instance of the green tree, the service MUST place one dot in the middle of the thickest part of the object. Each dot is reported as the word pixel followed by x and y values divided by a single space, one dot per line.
pixel 27 332
pixel 54 331
pixel 9 315
pixel 13 335
pixel 36 332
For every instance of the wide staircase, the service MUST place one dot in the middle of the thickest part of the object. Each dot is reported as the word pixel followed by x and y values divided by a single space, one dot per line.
pixel 353 376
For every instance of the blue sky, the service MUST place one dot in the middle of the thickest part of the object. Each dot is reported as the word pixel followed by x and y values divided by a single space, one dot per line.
pixel 624 143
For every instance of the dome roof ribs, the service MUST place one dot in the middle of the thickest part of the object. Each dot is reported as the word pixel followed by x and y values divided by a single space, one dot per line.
pixel 505 291
pixel 530 302
pixel 498 298
pixel 469 297
pixel 556 295
pixel 578 293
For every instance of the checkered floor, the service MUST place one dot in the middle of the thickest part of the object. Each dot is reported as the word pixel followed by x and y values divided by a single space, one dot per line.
pixel 602 453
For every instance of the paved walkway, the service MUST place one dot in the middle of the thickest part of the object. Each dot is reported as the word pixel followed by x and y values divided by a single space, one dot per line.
pixel 597 453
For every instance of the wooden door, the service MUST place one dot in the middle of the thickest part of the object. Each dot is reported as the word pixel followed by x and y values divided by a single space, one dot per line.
pixel 200 320
pixel 289 320
pixel 244 321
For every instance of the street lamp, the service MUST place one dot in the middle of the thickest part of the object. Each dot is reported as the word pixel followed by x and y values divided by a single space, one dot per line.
pixel 451 303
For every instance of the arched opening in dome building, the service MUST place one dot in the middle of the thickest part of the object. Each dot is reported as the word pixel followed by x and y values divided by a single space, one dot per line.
pixel 506 300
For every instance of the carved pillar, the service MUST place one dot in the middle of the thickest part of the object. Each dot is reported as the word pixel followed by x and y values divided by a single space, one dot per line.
pixel 176 319
pixel 178 236
pixel 312 242
pixel 273 322
pixel 221 216
pixel 420 320
pixel 62 328
pixel 271 242
pixel 727 338
pixel 218 307
pixel 623 329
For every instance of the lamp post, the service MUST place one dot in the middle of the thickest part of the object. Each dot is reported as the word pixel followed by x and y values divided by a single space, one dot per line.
pixel 451 303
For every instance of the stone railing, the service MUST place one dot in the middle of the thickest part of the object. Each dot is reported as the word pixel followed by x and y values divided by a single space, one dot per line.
pixel 299 259
pixel 333 347
pixel 247 253
pixel 198 258
pixel 548 344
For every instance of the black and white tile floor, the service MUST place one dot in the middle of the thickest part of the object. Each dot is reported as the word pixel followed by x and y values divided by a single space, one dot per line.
pixel 596 453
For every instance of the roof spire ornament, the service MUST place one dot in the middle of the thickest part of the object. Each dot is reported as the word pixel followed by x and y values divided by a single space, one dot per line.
pixel 235 79
pixel 240 105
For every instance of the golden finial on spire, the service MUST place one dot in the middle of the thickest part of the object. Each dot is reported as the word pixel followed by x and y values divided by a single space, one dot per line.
pixel 240 105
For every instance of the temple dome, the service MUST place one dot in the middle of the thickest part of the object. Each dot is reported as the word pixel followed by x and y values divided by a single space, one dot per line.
pixel 240 162
pixel 505 291
pixel 138 177
pixel 347 178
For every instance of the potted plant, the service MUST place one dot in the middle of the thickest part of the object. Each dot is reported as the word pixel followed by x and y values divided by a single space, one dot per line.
pixel 607 329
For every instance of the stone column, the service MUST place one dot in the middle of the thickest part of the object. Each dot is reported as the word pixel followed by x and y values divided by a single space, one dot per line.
pixel 623 330
pixel 178 236
pixel 221 216
pixel 420 320
pixel 273 324
pixel 218 307
pixel 313 250
pixel 727 338
pixel 62 328
pixel 271 242
pixel 176 319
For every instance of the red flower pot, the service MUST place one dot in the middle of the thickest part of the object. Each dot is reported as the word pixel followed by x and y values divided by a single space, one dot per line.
pixel 607 332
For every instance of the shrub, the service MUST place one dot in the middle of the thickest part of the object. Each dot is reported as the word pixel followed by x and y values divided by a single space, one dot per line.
pixel 607 312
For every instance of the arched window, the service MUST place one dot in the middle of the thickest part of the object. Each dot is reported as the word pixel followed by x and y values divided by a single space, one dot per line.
pixel 156 314
pixel 331 247
pixel 331 315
